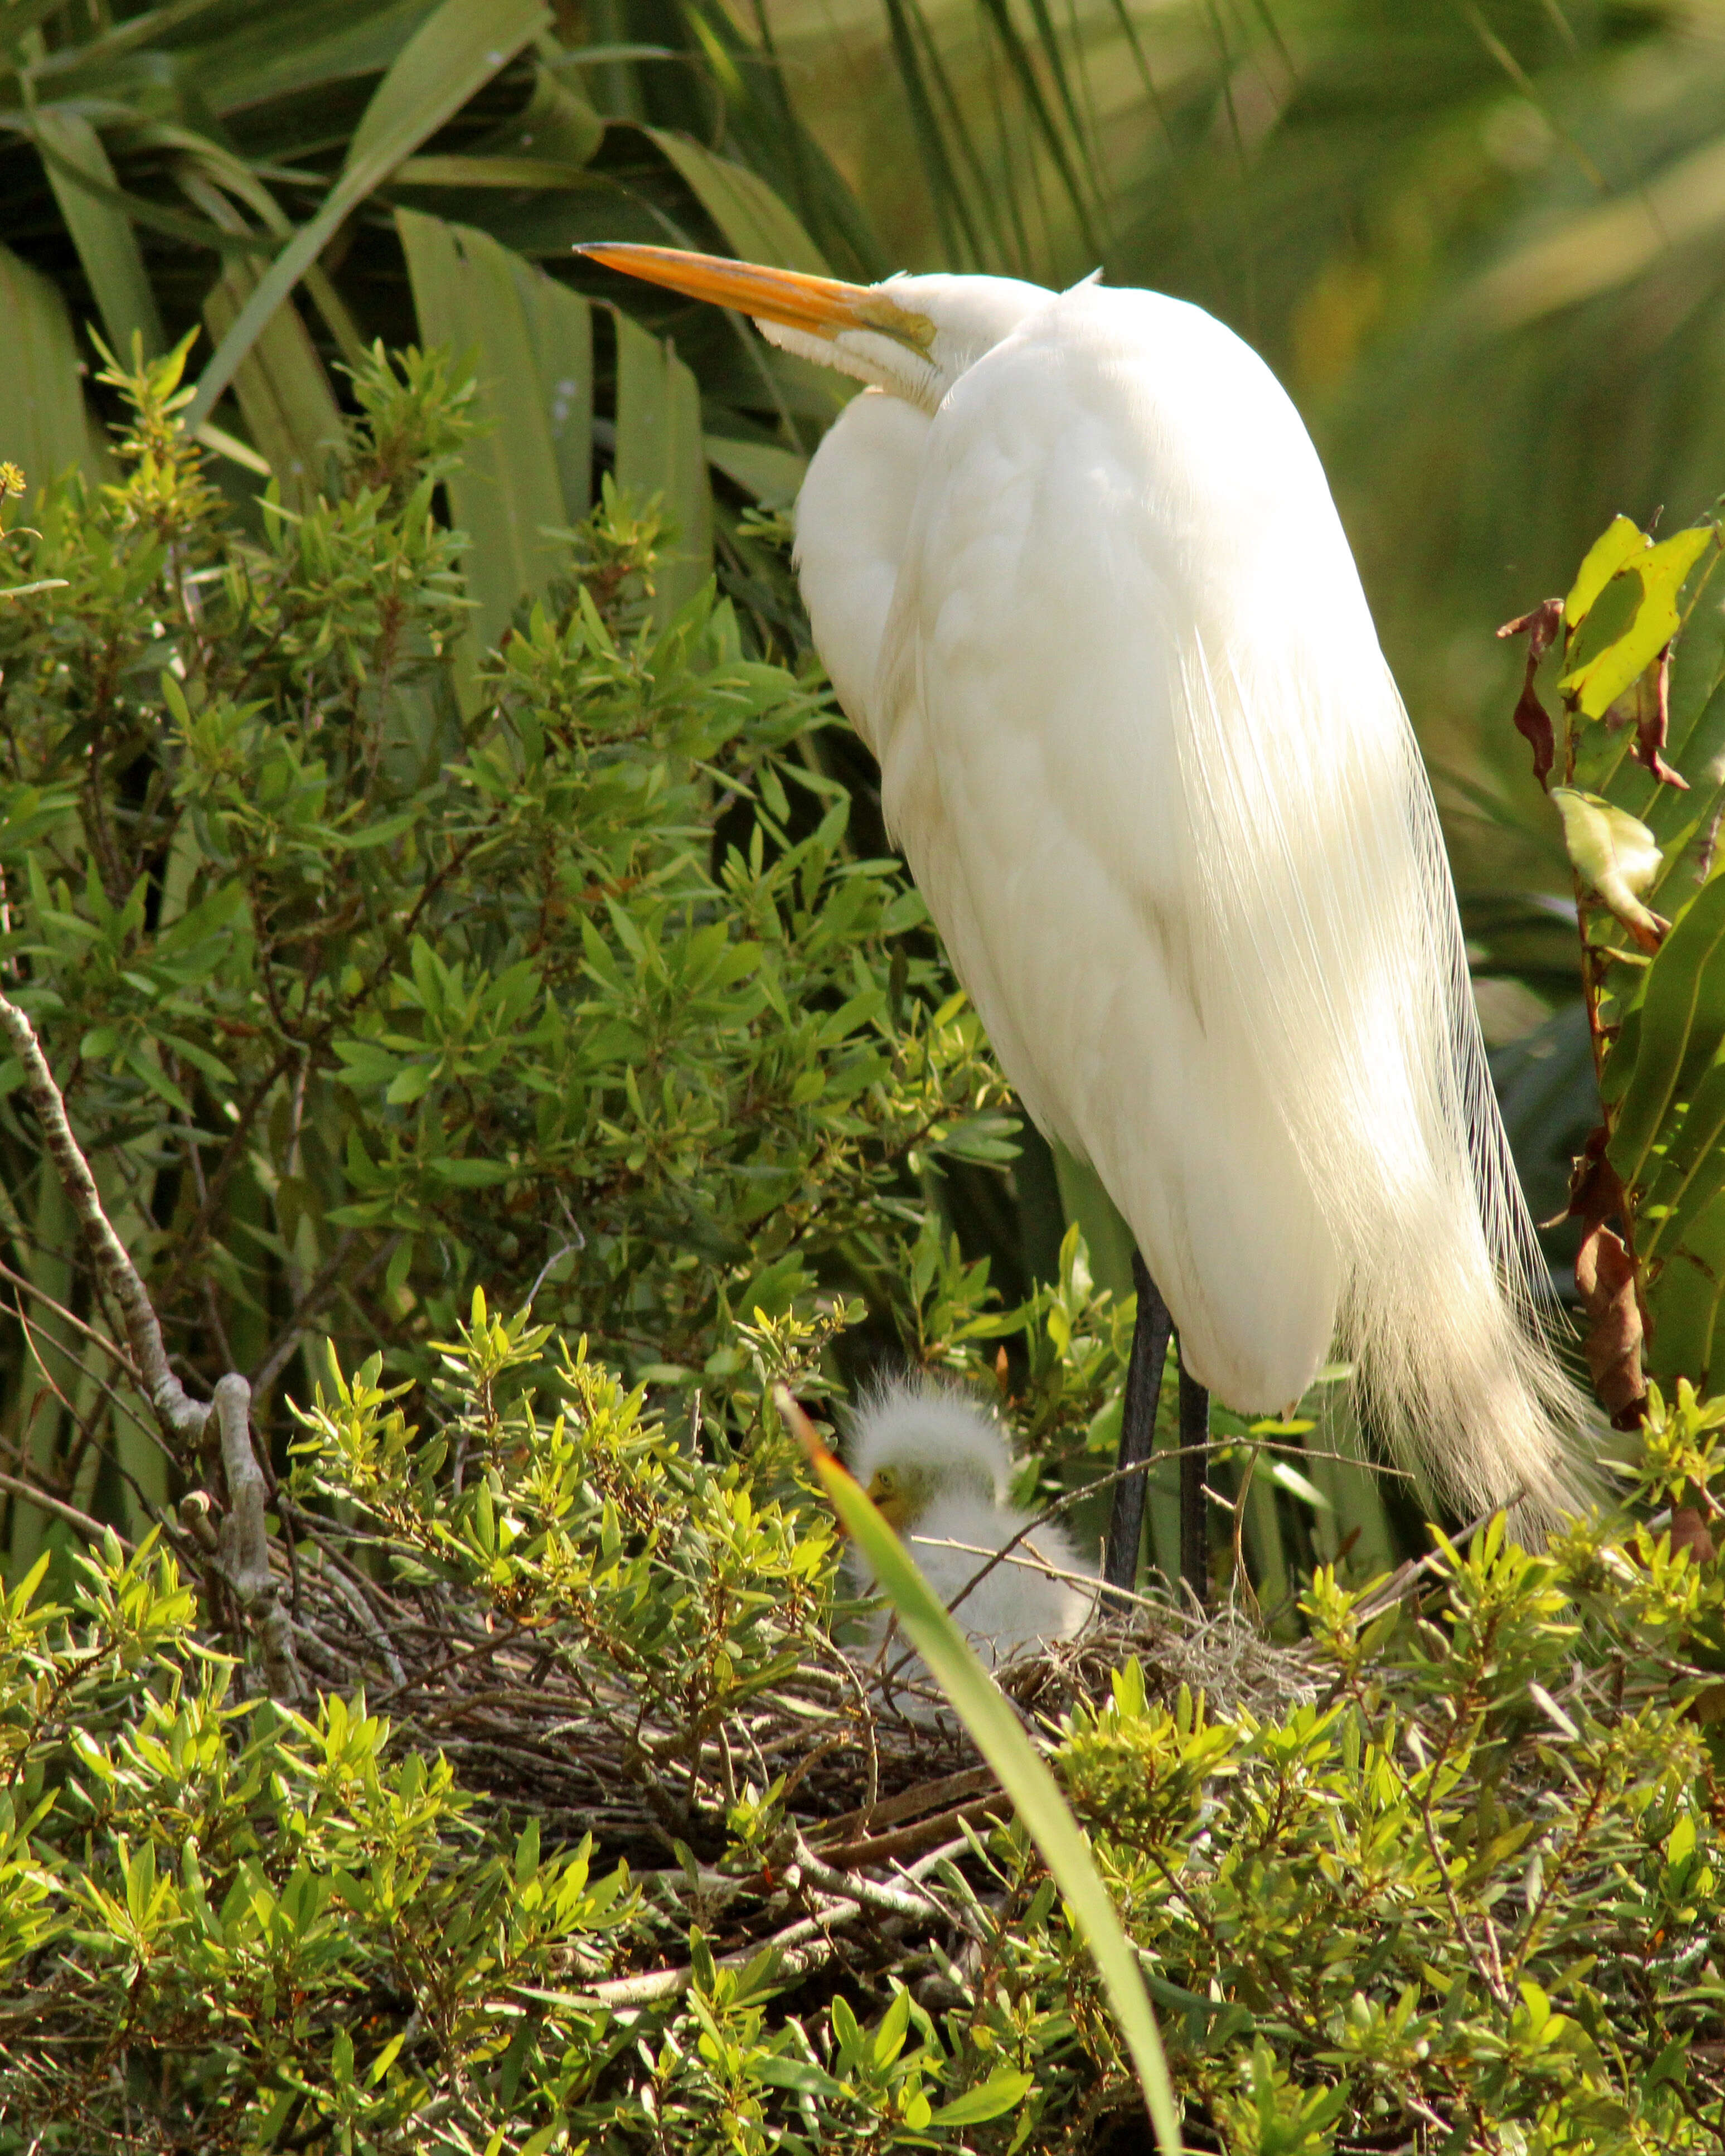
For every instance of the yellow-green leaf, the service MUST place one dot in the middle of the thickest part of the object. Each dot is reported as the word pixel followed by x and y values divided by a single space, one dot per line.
pixel 996 1731
pixel 993 2098
pixel 1661 569
pixel 1599 564
pixel 511 172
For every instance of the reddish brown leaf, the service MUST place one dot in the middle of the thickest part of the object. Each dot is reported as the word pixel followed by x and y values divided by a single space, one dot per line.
pixel 1540 628
pixel 1605 1278
pixel 1652 728
pixel 1532 721
pixel 1689 1532
pixel 1595 1188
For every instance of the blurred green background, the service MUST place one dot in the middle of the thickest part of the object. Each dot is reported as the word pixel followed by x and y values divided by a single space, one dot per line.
pixel 1480 241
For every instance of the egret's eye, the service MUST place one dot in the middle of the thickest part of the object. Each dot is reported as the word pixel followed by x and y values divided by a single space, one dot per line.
pixel 884 1484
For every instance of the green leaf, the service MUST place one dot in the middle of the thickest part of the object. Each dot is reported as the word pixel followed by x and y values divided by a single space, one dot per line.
pixel 560 330
pixel 1661 569
pixel 290 410
pixel 44 428
pixel 758 225
pixel 454 53
pixel 1682 1023
pixel 1002 2092
pixel 1692 1171
pixel 772 475
pixel 802 2076
pixel 1681 1236
pixel 73 155
pixel 470 1174
pixel 996 1731
pixel 531 341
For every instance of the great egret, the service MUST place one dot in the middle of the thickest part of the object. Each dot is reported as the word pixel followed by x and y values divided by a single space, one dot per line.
pixel 1076 573
pixel 940 1473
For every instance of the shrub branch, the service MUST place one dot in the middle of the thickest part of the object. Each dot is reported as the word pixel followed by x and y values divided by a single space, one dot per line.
pixel 242 1553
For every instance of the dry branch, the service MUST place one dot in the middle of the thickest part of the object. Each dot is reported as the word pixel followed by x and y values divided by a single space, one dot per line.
pixel 241 1554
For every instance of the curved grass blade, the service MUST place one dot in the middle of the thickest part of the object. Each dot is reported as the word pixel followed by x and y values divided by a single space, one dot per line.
pixel 982 1707
pixel 452 54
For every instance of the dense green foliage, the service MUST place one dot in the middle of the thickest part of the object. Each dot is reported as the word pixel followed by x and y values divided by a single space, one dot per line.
pixel 359 1004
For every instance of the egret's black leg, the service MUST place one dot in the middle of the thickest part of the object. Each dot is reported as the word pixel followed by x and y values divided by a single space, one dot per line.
pixel 1137 1428
pixel 1195 1461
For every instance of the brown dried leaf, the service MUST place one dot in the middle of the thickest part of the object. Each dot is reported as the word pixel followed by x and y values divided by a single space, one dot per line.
pixel 1605 1278
pixel 1532 721
pixel 1689 1532
pixel 1596 1189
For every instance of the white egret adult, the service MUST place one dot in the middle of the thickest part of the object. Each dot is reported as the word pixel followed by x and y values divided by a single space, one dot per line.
pixel 1076 575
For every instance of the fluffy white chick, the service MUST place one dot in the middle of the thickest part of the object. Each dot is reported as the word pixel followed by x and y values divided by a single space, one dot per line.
pixel 939 1472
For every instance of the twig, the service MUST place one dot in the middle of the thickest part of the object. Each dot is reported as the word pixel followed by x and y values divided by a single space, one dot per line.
pixel 91 1529
pixel 242 1553
pixel 181 1418
pixel 799 1949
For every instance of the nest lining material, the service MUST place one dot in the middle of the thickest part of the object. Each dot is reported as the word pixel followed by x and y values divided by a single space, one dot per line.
pixel 882 1787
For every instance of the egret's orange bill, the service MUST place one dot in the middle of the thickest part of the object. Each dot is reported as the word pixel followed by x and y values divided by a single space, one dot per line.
pixel 820 306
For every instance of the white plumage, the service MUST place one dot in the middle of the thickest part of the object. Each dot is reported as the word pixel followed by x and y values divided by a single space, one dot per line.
pixel 1074 570
pixel 940 1473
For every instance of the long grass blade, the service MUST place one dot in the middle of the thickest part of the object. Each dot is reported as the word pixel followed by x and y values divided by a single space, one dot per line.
pixel 985 1712
pixel 951 212
pixel 72 156
pixel 752 217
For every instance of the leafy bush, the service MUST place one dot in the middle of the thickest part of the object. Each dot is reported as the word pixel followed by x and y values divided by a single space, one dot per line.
pixel 358 1004
pixel 568 1871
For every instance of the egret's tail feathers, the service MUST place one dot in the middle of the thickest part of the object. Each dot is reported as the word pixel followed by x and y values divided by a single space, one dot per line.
pixel 1316 842
pixel 1457 1375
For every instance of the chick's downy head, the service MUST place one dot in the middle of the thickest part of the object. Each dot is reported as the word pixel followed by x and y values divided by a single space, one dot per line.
pixel 914 1443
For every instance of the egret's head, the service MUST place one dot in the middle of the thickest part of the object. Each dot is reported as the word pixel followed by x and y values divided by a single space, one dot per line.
pixel 912 335
pixel 912 1445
